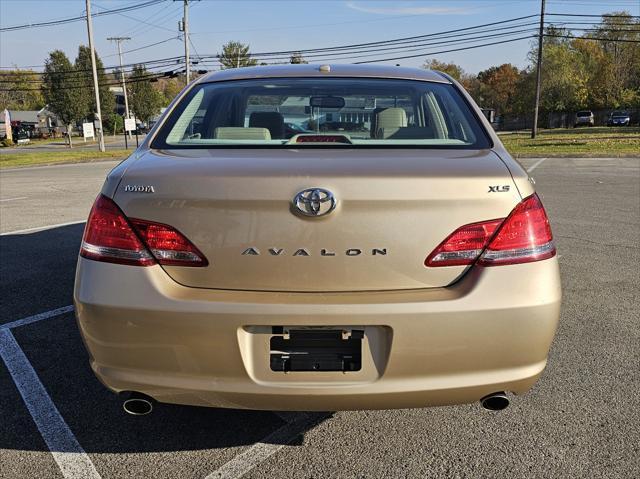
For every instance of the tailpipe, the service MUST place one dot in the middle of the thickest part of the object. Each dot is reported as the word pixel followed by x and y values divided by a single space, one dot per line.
pixel 495 401
pixel 138 404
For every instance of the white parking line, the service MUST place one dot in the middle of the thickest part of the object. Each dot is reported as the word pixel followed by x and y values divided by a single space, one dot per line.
pixel 72 460
pixel 261 451
pixel 14 199
pixel 535 165
pixel 37 317
pixel 42 228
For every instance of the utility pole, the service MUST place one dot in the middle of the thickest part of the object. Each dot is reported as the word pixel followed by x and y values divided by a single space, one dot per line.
pixel 534 129
pixel 186 39
pixel 95 76
pixel 184 27
pixel 119 41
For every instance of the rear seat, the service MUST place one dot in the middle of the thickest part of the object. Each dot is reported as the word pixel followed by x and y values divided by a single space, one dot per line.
pixel 390 118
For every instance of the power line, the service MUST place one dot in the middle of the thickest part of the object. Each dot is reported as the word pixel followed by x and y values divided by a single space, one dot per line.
pixel 597 39
pixel 141 78
pixel 177 37
pixel 398 41
pixel 443 51
pixel 590 16
pixel 416 37
pixel 81 17
pixel 412 48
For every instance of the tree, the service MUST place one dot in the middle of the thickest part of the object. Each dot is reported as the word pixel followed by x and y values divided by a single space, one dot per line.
pixel 107 98
pixel 455 71
pixel 297 58
pixel 20 90
pixel 498 87
pixel 62 88
pixel 169 87
pixel 236 55
pixel 144 100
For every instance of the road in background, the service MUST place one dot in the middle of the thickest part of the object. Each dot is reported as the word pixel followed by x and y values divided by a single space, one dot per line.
pixel 49 195
pixel 579 421
pixel 110 143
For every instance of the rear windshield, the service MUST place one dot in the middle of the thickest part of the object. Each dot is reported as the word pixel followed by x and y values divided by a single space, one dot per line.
pixel 322 112
pixel 583 113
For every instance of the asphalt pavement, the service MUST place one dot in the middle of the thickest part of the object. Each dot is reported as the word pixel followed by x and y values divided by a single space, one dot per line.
pixel 581 420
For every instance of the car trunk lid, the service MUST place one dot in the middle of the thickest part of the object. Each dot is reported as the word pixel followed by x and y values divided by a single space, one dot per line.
pixel 393 207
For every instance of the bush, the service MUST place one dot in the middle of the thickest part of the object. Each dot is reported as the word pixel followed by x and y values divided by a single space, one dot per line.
pixel 7 142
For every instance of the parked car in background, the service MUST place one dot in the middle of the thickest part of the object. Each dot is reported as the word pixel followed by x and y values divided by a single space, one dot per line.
pixel 619 118
pixel 292 129
pixel 584 118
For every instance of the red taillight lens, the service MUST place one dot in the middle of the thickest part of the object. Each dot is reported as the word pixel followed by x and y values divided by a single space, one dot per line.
pixel 110 237
pixel 168 245
pixel 464 245
pixel 524 236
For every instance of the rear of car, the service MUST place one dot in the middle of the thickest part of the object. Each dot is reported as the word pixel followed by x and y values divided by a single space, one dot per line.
pixel 584 118
pixel 308 238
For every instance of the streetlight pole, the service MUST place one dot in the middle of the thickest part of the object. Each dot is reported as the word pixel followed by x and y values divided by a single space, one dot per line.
pixel 534 128
pixel 119 41
pixel 95 76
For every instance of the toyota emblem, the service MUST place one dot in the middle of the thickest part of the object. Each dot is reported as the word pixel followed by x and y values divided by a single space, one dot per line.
pixel 314 202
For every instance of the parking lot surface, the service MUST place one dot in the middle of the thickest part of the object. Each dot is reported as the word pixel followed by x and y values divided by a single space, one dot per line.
pixel 581 420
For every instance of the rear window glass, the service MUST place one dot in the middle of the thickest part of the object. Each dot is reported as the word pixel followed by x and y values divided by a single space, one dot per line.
pixel 322 112
pixel 583 113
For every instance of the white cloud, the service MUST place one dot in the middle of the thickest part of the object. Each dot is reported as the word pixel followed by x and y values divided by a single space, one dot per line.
pixel 409 10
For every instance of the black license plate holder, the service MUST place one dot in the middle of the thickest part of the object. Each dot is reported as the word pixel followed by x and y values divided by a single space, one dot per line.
pixel 316 350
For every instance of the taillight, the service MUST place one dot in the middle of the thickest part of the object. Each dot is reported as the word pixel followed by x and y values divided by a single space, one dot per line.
pixel 168 245
pixel 524 236
pixel 111 237
pixel 464 245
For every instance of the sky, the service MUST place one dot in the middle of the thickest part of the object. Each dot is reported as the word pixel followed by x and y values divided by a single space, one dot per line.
pixel 269 25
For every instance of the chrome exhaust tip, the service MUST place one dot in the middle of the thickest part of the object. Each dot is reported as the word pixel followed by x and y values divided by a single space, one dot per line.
pixel 138 404
pixel 495 401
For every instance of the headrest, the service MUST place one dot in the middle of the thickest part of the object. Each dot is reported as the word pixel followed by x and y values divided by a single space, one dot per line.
pixel 241 133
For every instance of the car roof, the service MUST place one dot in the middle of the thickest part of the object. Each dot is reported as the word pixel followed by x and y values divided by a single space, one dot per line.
pixel 327 71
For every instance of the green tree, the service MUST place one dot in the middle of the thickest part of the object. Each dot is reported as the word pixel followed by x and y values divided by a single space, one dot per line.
pixel 236 55
pixel 62 88
pixel 455 71
pixel 20 90
pixel 107 98
pixel 170 88
pixel 297 58
pixel 144 100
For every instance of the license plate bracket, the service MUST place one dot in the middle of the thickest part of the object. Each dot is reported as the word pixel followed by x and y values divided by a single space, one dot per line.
pixel 316 350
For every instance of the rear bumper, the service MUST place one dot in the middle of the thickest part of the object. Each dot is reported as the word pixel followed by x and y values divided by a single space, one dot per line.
pixel 489 332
